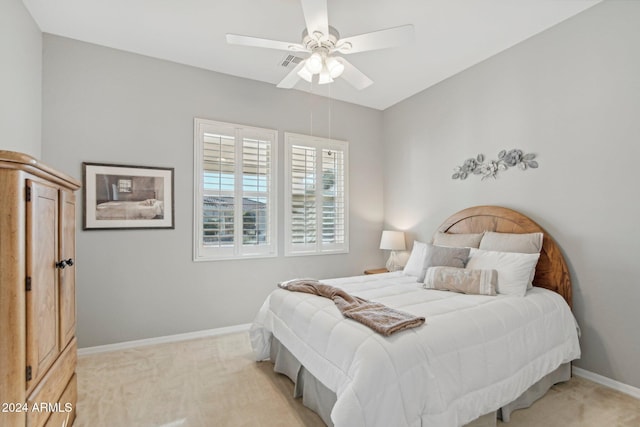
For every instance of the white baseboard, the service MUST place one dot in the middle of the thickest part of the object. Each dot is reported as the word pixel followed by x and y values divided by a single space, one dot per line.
pixel 162 340
pixel 608 382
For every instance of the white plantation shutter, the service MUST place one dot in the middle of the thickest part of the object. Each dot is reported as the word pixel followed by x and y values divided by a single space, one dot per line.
pixel 333 198
pixel 303 196
pixel 316 200
pixel 218 210
pixel 235 191
pixel 258 199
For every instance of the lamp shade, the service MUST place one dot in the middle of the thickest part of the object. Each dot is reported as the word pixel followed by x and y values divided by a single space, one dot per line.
pixel 305 74
pixel 324 77
pixel 334 66
pixel 314 63
pixel 392 240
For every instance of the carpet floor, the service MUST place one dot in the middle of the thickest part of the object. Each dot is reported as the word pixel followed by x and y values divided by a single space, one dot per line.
pixel 215 382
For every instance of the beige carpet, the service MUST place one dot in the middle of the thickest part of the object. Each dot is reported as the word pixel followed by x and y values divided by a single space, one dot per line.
pixel 215 382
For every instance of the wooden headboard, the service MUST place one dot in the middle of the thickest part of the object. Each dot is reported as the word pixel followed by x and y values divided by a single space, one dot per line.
pixel 551 271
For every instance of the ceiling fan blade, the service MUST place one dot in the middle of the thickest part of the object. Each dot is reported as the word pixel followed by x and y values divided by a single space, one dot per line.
pixel 292 78
pixel 266 43
pixel 353 76
pixel 316 16
pixel 376 40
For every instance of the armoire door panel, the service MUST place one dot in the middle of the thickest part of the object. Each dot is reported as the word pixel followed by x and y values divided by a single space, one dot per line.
pixel 42 299
pixel 67 275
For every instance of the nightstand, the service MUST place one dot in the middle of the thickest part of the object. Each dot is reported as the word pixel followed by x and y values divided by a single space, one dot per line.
pixel 376 271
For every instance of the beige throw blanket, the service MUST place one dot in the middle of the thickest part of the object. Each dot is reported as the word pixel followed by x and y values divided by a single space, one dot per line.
pixel 376 316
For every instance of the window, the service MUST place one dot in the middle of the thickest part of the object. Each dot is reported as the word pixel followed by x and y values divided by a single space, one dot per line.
pixel 316 199
pixel 124 185
pixel 235 215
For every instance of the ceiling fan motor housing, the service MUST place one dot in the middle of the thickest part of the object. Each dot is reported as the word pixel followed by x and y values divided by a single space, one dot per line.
pixel 317 40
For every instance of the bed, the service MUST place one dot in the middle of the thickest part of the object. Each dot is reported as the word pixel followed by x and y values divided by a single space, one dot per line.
pixel 141 209
pixel 476 357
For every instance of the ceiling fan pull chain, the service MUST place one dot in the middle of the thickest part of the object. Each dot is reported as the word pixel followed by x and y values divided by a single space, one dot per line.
pixel 311 107
pixel 329 111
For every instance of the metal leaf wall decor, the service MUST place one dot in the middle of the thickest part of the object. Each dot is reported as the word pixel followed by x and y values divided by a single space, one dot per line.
pixel 490 168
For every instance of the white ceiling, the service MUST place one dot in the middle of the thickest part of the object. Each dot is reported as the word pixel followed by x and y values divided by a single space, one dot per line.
pixel 450 35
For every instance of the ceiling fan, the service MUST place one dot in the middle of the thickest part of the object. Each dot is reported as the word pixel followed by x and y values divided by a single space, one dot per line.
pixel 323 42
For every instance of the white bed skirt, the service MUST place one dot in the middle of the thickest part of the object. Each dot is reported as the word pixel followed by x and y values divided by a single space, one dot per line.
pixel 320 399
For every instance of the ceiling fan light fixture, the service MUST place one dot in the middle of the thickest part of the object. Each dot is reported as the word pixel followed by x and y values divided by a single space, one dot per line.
pixel 314 63
pixel 335 67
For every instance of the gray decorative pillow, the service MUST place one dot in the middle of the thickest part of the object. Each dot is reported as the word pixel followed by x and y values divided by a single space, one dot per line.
pixel 469 240
pixel 435 256
pixel 477 282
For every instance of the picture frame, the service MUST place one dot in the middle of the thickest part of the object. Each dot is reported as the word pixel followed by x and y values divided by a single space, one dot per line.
pixel 117 197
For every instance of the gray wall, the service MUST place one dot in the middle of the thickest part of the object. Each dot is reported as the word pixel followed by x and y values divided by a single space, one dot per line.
pixel 572 96
pixel 105 105
pixel 20 79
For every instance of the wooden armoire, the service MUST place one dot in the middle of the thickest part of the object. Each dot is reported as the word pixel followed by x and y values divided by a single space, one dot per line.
pixel 38 349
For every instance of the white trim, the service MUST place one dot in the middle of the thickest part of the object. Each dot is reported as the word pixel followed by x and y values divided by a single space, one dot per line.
pixel 238 251
pixel 162 340
pixel 608 382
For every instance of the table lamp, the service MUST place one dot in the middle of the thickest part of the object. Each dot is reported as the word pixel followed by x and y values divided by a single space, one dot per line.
pixel 393 241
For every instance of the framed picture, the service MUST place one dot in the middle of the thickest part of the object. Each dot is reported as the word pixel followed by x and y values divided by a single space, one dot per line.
pixel 127 197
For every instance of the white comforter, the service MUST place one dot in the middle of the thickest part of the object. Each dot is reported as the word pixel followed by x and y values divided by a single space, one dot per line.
pixel 473 355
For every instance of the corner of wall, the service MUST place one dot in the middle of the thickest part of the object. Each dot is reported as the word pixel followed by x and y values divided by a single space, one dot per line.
pixel 20 80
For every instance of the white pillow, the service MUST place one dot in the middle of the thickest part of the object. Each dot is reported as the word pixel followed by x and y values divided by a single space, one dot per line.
pixel 528 243
pixel 453 240
pixel 413 267
pixel 515 270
